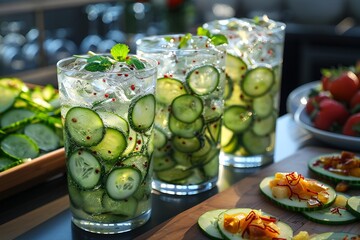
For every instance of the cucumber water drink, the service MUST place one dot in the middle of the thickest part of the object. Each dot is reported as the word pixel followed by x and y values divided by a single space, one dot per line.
pixel 108 111
pixel 252 92
pixel 189 108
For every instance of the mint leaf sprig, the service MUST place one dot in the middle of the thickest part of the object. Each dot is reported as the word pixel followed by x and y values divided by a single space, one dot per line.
pixel 216 39
pixel 119 53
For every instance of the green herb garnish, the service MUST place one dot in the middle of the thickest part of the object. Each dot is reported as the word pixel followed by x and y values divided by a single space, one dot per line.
pixel 119 53
pixel 184 40
pixel 216 39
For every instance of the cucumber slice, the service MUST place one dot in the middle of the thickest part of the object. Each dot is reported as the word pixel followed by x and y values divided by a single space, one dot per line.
pixel 213 131
pixel 6 163
pixel 237 118
pixel 285 230
pixel 114 121
pixel 139 161
pixel 186 130
pixel 235 68
pixel 229 88
pixel 7 99
pixel 208 223
pixel 334 236
pixel 255 144
pixel 131 142
pixel 226 136
pixel 126 207
pixel 43 135
pixel 15 115
pixel 123 182
pixel 183 159
pixel 263 106
pixel 258 81
pixel 93 200
pixel 187 108
pixel 294 204
pixel 19 146
pixel 159 137
pixel 203 80
pixel 84 126
pixel 187 145
pixel 111 146
pixel 321 171
pixel 163 163
pixel 332 215
pixel 167 89
pixel 353 206
pixel 211 164
pixel 174 174
pixel 84 169
pixel 142 113
pixel 264 126
pixel 232 146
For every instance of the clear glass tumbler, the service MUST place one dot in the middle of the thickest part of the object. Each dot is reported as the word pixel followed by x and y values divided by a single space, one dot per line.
pixel 253 81
pixel 108 122
pixel 189 109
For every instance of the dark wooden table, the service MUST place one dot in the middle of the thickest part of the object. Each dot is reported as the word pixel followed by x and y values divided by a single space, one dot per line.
pixel 43 212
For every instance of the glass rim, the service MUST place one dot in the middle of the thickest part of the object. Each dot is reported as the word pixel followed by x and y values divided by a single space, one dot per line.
pixel 279 26
pixel 153 64
pixel 175 49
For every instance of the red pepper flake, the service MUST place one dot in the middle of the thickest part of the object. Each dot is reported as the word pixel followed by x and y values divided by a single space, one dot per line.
pixel 213 108
pixel 88 137
pixel 74 120
pixel 106 95
pixel 131 68
pixel 113 99
pixel 94 93
pixel 158 62
pixel 194 61
pixel 126 75
pixel 109 151
pixel 119 74
pixel 132 87
pixel 97 171
pixel 79 152
pixel 104 80
pixel 138 141
pixel 262 59
pixel 206 45
pixel 270 52
pixel 196 72
pixel 130 138
pixel 184 72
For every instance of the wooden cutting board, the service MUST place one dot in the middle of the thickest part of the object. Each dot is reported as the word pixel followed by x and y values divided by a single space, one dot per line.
pixel 246 194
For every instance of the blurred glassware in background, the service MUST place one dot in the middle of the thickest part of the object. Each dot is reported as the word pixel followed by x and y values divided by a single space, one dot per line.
pixel 11 55
pixel 209 10
pixel 59 46
pixel 271 8
pixel 92 40
pixel 112 16
pixel 31 49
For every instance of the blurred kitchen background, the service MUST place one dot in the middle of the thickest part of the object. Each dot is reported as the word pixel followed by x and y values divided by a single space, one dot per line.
pixel 35 34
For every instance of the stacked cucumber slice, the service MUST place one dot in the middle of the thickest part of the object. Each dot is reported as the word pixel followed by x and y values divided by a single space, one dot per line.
pixel 188 127
pixel 30 122
pixel 250 109
pixel 109 160
pixel 212 224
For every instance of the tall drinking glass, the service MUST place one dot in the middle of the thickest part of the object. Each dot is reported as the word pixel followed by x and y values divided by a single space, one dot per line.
pixel 108 120
pixel 189 108
pixel 252 92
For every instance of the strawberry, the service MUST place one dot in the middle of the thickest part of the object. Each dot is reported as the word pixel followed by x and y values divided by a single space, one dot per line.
pixel 330 115
pixel 355 103
pixel 344 86
pixel 352 125
pixel 314 102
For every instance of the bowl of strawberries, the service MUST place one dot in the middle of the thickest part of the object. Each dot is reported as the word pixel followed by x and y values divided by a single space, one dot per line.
pixel 332 109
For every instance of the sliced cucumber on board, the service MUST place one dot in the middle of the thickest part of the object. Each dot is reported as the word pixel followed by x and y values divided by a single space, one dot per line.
pixel 332 215
pixel 321 171
pixel 208 223
pixel 294 204
pixel 285 230
pixel 334 236
pixel 353 205
pixel 19 146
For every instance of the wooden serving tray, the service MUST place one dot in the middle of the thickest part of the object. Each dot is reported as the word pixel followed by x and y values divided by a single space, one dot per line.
pixel 246 194
pixel 30 173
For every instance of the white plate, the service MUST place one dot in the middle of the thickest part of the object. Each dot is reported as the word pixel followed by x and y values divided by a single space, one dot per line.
pixel 298 97
pixel 337 140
